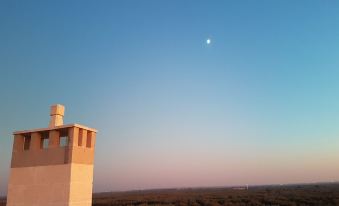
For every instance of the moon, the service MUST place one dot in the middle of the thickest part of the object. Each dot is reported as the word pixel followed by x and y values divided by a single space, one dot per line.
pixel 208 41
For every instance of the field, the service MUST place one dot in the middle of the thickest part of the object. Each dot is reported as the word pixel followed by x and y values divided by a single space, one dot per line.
pixel 317 194
pixel 312 194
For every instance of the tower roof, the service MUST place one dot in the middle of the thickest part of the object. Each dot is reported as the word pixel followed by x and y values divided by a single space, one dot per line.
pixel 56 122
pixel 53 128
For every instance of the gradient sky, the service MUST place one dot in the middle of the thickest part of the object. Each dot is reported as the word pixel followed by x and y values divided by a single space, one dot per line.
pixel 259 105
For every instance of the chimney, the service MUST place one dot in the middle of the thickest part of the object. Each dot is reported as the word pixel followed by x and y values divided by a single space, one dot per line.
pixel 57 115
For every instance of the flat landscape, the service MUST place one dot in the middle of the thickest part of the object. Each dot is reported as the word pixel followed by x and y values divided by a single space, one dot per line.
pixel 315 194
pixel 310 194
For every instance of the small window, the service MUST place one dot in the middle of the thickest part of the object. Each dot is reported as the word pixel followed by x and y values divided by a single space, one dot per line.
pixel 89 139
pixel 80 140
pixel 63 141
pixel 27 142
pixel 44 143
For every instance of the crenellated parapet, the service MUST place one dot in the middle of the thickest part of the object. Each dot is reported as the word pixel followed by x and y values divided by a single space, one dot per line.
pixel 64 144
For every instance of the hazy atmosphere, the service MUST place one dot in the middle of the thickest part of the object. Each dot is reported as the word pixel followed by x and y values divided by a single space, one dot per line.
pixel 183 93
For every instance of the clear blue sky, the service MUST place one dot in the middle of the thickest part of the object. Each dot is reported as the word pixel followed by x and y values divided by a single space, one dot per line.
pixel 258 105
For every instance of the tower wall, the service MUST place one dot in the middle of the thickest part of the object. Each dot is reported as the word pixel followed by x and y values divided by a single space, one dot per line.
pixel 80 193
pixel 39 185
pixel 54 185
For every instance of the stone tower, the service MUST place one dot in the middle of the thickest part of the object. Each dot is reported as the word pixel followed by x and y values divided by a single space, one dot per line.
pixel 52 166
